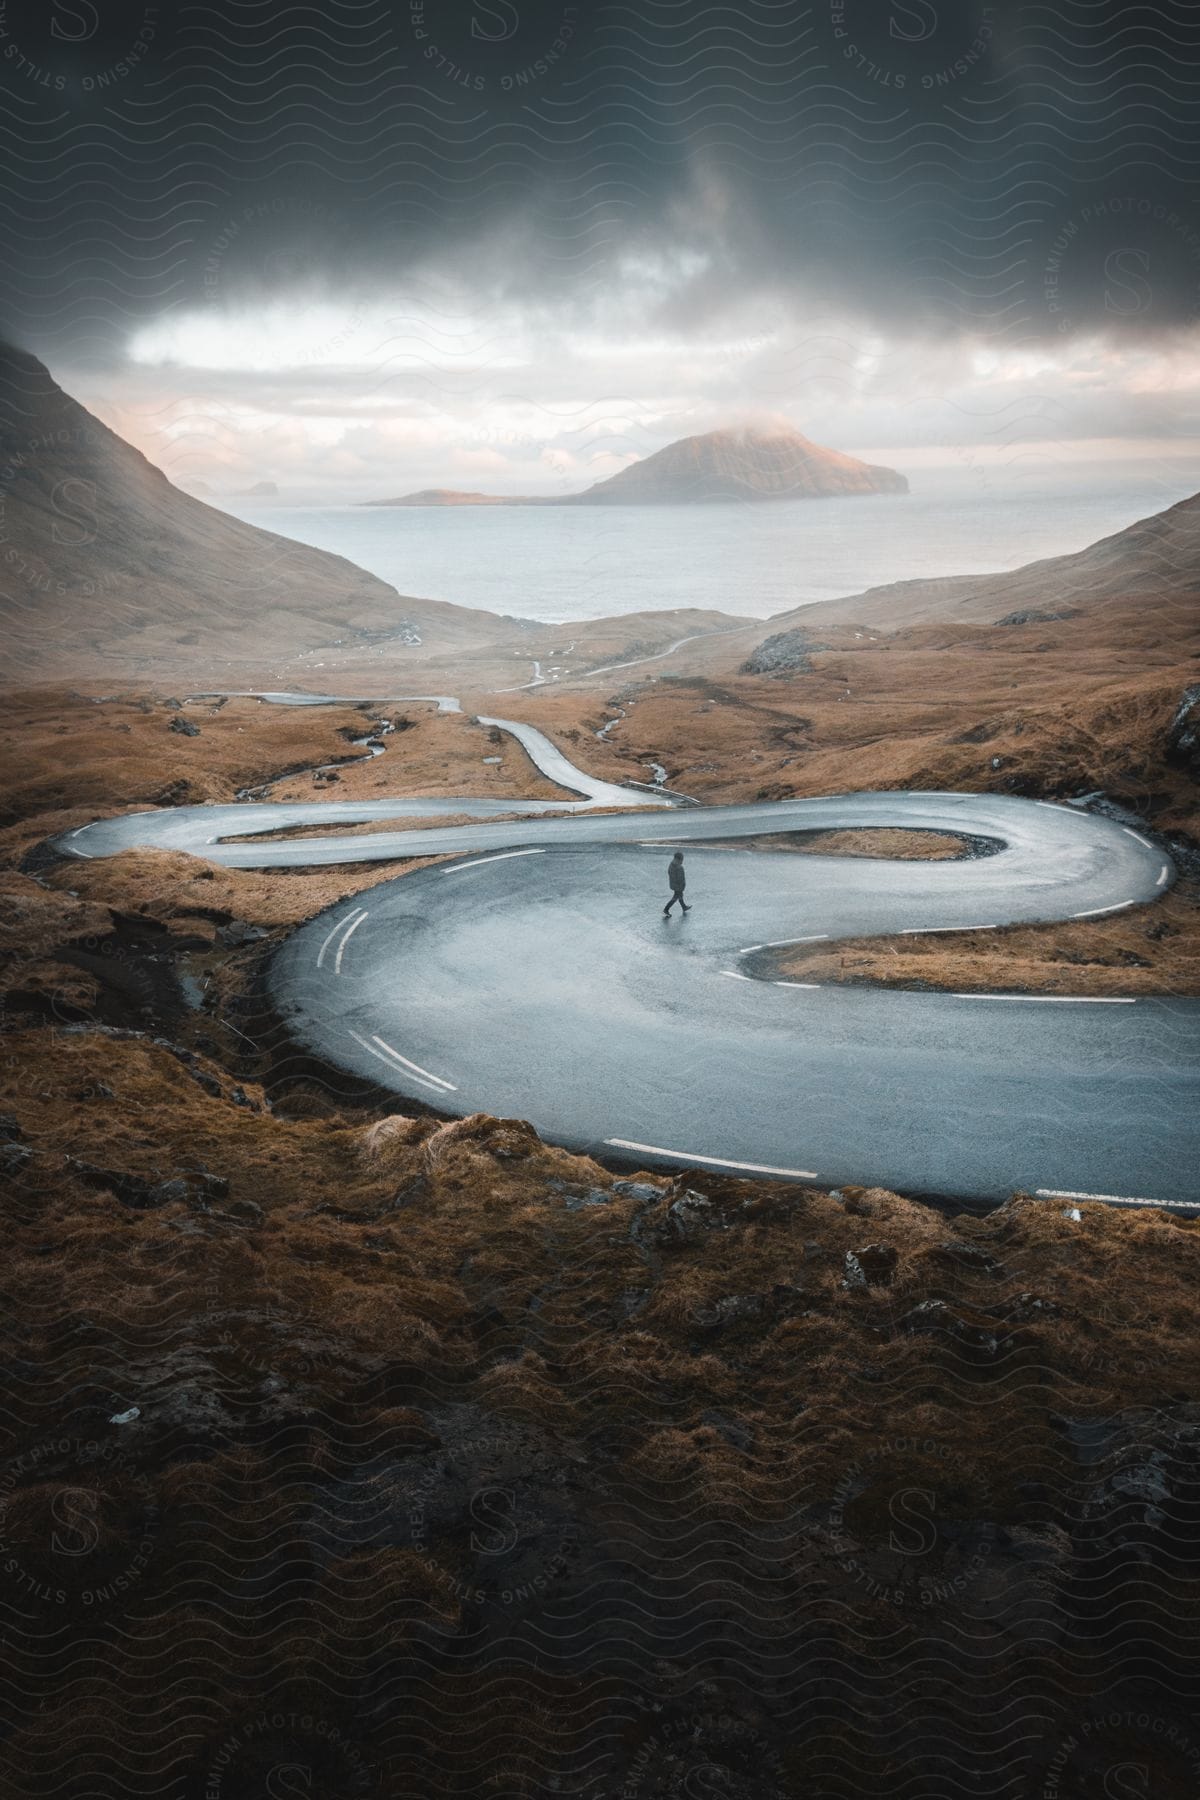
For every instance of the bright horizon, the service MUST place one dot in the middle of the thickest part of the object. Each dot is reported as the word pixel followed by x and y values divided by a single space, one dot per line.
pixel 347 432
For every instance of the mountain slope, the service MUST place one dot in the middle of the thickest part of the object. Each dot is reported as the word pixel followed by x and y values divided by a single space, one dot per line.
pixel 105 566
pixel 1156 557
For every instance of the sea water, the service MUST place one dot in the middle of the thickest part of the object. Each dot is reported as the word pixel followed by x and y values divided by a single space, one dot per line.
pixel 560 564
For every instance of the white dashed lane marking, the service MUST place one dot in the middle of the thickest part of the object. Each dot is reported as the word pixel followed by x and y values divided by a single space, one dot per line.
pixel 386 1054
pixel 822 937
pixel 344 920
pixel 930 930
pixel 1116 1199
pixel 346 936
pixel 713 1162
pixel 1055 999
pixel 504 856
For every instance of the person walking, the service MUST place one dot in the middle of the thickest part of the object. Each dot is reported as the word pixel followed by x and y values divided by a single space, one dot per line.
pixel 678 881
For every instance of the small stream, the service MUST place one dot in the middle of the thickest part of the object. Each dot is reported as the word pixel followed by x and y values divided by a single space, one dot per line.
pixel 372 744
pixel 659 774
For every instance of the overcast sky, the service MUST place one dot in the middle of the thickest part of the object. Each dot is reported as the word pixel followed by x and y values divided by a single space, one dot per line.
pixel 383 244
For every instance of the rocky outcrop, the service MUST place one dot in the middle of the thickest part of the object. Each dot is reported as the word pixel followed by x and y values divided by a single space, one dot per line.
pixel 786 653
pixel 1036 615
pixel 1183 736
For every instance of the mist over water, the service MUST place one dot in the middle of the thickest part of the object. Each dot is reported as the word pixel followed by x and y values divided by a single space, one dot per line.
pixel 576 563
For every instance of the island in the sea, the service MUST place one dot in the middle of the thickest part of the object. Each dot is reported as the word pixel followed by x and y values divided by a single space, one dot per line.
pixel 739 463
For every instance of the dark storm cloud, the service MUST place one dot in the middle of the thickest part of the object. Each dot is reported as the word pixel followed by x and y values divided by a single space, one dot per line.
pixel 1022 171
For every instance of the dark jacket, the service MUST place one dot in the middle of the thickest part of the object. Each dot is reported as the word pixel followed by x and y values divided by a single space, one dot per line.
pixel 676 876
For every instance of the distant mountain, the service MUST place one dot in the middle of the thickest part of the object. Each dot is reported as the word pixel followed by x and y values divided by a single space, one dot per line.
pixel 458 497
pixel 105 565
pixel 751 464
pixel 260 490
pixel 771 464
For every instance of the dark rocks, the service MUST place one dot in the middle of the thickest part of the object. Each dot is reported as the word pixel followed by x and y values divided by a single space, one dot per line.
pixel 637 1190
pixel 413 1193
pixel 938 1319
pixel 176 793
pixel 238 933
pixel 513 1141
pixel 1183 734
pixel 968 1257
pixel 1099 802
pixel 1025 1309
pixel 1038 616
pixel 195 1188
pixel 644 1192
pixel 184 727
pixel 590 1197
pixel 690 1217
pixel 732 1309
pixel 1141 1475
pixel 872 1266
pixel 786 653
pixel 784 1301
pixel 245 1212
pixel 1185 856
pixel 977 734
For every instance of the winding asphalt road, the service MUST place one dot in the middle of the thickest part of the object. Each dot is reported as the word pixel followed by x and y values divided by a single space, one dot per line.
pixel 536 976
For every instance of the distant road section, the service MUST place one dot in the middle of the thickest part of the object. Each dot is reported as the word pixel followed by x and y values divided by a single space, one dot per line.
pixel 446 703
pixel 554 765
